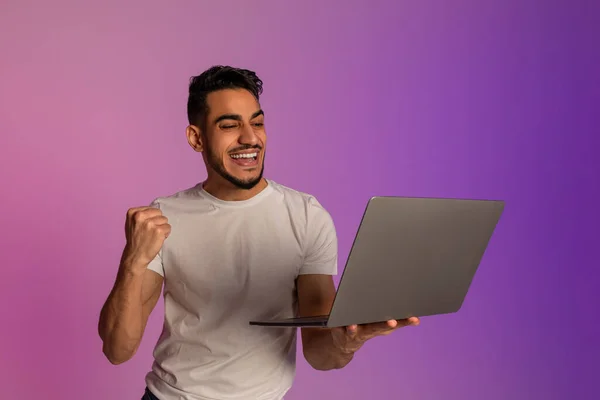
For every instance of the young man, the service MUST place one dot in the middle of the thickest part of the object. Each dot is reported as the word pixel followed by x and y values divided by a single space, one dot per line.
pixel 231 249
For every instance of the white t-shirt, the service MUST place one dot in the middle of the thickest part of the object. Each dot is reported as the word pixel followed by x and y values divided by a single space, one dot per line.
pixel 226 263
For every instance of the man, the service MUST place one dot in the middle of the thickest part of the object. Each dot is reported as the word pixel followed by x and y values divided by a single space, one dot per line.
pixel 231 249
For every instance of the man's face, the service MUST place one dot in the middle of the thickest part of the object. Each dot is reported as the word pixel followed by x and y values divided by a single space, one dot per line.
pixel 234 140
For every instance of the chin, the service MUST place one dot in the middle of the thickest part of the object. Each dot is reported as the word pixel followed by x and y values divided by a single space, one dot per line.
pixel 246 180
pixel 247 184
pixel 243 177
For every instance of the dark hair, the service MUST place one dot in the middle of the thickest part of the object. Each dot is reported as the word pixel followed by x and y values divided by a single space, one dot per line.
pixel 217 78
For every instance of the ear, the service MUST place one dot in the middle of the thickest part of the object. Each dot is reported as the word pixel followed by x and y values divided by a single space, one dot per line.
pixel 194 138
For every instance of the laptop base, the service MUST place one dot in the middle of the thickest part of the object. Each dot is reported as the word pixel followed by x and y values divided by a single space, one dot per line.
pixel 299 322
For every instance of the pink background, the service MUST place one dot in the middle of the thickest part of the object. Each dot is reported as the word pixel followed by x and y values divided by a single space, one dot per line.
pixel 483 99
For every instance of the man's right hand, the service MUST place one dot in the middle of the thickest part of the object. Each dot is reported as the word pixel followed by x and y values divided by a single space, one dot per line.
pixel 146 229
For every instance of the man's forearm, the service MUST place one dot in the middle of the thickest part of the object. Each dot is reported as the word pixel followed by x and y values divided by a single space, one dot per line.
pixel 121 319
pixel 320 352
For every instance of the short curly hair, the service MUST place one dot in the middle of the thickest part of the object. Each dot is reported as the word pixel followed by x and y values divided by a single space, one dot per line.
pixel 216 78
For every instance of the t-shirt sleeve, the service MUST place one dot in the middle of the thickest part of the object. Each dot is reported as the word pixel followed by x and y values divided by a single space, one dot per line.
pixel 321 249
pixel 156 265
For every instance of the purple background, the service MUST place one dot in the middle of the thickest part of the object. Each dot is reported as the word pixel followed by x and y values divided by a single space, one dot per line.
pixel 484 99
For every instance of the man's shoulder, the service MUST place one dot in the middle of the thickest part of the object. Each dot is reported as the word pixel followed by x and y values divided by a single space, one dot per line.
pixel 296 196
pixel 178 197
pixel 306 202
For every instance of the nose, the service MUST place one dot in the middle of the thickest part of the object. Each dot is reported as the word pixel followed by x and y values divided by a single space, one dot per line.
pixel 248 136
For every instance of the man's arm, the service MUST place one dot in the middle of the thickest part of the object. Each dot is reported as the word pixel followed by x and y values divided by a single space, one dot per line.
pixel 125 313
pixel 334 348
pixel 315 297
pixel 137 288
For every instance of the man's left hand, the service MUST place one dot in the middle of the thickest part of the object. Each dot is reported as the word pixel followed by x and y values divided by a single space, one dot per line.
pixel 351 338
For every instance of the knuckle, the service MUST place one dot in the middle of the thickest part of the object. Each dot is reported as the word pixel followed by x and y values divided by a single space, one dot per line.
pixel 131 212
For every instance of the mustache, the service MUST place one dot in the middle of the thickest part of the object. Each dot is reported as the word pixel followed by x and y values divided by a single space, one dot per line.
pixel 242 148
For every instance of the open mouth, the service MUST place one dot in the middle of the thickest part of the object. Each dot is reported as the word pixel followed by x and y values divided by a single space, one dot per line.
pixel 245 156
pixel 246 159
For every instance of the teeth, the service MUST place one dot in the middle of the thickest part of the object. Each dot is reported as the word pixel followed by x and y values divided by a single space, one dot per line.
pixel 249 155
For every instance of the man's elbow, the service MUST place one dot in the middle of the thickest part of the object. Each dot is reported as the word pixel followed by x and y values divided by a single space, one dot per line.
pixel 319 361
pixel 115 361
pixel 324 367
pixel 116 357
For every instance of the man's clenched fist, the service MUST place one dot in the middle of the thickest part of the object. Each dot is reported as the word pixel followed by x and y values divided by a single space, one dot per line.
pixel 146 229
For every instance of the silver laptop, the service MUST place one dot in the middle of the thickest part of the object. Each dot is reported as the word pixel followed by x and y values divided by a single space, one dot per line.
pixel 411 257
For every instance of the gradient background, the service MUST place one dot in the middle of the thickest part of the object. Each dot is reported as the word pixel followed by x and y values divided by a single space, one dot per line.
pixel 483 99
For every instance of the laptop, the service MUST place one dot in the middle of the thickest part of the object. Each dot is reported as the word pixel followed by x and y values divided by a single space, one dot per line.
pixel 411 257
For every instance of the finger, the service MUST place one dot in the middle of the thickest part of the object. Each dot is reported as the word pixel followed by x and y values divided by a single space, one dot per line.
pixel 134 210
pixel 352 331
pixel 158 220
pixel 383 326
pixel 368 331
pixel 412 321
pixel 145 214
pixel 165 229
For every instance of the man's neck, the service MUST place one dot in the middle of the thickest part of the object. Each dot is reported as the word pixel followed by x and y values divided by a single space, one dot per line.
pixel 226 191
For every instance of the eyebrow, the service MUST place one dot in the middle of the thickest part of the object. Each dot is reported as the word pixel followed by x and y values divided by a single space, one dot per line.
pixel 237 117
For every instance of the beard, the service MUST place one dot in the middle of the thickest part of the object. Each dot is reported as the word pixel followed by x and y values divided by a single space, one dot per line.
pixel 217 165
